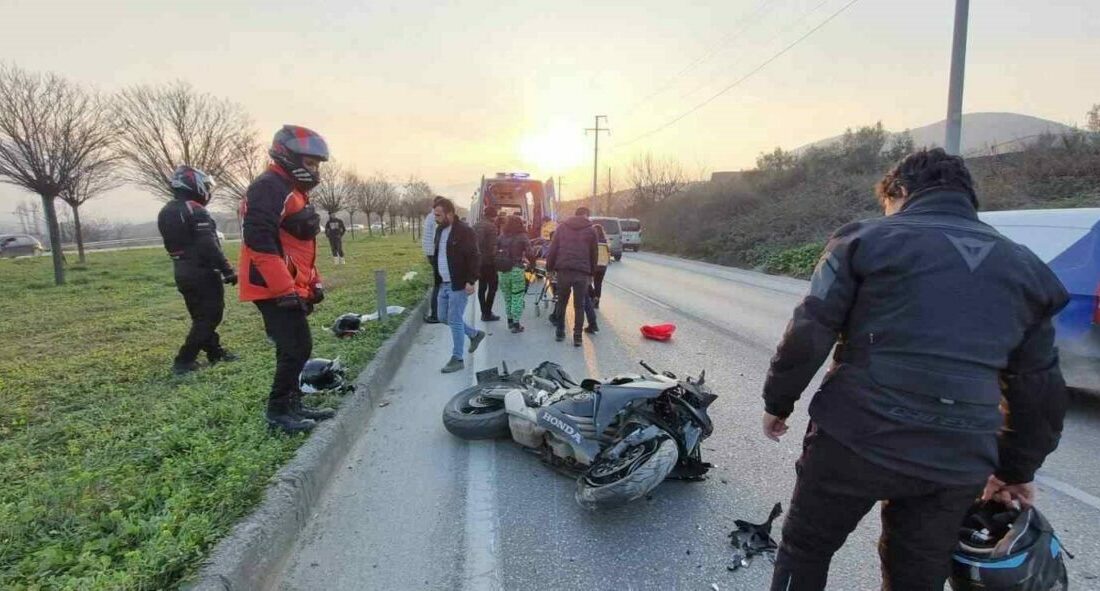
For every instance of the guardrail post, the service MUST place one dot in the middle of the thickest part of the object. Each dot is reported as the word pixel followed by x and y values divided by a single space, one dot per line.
pixel 380 293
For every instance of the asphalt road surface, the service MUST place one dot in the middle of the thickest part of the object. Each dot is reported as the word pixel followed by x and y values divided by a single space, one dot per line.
pixel 416 508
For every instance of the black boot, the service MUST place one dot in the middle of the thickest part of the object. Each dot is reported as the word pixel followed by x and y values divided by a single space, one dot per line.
pixel 180 368
pixel 592 328
pixel 316 414
pixel 559 336
pixel 280 415
pixel 577 342
pixel 220 355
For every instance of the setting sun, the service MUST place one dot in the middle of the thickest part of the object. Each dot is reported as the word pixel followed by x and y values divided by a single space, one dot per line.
pixel 554 149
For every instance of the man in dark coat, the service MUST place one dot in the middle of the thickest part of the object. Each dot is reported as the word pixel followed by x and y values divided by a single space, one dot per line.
pixel 573 256
pixel 936 318
pixel 487 231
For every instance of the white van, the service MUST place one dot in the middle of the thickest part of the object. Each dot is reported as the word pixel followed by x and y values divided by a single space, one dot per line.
pixel 632 233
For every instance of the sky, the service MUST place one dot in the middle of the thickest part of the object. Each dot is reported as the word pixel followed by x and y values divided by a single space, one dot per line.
pixel 451 90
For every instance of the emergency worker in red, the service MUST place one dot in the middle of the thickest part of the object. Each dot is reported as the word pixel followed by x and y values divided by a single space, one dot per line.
pixel 278 266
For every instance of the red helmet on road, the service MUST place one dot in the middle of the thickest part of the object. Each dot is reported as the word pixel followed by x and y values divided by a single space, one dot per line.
pixel 291 144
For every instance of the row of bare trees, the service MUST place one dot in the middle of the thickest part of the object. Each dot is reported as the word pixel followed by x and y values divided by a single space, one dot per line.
pixel 344 190
pixel 61 140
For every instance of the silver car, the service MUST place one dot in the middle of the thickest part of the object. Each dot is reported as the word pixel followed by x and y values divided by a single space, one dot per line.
pixel 19 245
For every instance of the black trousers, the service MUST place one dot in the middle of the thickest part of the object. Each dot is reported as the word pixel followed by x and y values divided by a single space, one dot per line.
pixel 204 294
pixel 293 346
pixel 597 281
pixel 836 488
pixel 336 243
pixel 487 284
pixel 572 282
pixel 437 281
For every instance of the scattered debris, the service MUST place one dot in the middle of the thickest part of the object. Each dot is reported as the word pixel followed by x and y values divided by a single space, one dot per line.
pixel 409 276
pixel 715 587
pixel 659 332
pixel 383 403
pixel 753 539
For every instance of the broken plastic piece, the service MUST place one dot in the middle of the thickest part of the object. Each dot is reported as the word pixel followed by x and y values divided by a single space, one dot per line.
pixel 409 276
pixel 391 310
pixel 754 539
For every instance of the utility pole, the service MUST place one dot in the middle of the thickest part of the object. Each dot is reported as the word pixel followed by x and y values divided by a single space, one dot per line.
pixel 958 66
pixel 596 154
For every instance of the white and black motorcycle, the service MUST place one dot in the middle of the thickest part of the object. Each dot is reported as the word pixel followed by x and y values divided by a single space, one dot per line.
pixel 620 437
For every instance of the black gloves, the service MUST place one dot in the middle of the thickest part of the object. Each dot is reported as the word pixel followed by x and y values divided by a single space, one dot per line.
pixel 290 302
pixel 229 277
pixel 318 294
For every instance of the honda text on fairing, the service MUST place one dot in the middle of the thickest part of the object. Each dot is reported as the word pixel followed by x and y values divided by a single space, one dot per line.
pixel 620 437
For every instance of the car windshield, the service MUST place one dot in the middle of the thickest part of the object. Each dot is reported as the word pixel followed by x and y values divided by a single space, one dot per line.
pixel 630 225
pixel 611 226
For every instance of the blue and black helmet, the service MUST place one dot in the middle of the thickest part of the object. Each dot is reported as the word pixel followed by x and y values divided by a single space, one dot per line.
pixel 1005 549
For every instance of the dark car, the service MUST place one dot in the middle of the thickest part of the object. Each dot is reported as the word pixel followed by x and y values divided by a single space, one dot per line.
pixel 19 245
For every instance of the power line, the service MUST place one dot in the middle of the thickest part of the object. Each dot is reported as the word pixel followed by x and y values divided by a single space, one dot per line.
pixel 736 35
pixel 741 79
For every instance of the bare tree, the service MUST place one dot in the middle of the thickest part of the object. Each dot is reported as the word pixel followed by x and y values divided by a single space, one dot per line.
pixel 1093 122
pixel 163 127
pixel 335 191
pixel 386 194
pixel 366 199
pixel 89 183
pixel 418 198
pixel 654 180
pixel 50 130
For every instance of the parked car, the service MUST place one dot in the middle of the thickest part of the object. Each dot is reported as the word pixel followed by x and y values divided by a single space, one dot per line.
pixel 632 233
pixel 18 245
pixel 1069 241
pixel 614 235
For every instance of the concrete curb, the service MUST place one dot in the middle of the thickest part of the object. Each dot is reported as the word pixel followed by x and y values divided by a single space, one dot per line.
pixel 251 556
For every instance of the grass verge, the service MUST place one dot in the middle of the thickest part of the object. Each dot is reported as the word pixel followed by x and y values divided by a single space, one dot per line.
pixel 118 475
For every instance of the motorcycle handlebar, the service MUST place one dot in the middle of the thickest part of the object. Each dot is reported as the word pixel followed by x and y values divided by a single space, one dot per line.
pixel 648 368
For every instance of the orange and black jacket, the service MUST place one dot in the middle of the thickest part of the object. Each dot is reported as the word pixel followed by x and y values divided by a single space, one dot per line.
pixel 279 249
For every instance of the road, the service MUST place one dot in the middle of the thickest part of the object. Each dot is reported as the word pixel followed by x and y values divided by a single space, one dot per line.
pixel 416 508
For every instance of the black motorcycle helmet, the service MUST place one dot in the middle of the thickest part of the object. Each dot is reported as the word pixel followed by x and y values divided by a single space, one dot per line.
pixel 321 375
pixel 290 145
pixel 347 325
pixel 190 183
pixel 1006 549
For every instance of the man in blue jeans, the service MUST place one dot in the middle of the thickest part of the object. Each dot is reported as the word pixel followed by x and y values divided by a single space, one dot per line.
pixel 457 263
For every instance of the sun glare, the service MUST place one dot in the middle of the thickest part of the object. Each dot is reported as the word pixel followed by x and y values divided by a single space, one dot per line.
pixel 555 149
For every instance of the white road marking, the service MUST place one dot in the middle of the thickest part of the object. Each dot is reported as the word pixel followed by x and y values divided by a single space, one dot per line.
pixel 640 295
pixel 1069 490
pixel 482 570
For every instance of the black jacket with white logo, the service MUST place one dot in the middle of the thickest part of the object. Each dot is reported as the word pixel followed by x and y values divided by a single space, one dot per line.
pixel 936 317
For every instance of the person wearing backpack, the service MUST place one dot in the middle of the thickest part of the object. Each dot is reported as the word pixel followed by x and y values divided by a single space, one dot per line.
pixel 513 247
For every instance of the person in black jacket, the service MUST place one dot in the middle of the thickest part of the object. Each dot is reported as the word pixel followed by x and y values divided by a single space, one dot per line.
pixel 335 230
pixel 191 239
pixel 487 231
pixel 457 262
pixel 936 318
pixel 573 256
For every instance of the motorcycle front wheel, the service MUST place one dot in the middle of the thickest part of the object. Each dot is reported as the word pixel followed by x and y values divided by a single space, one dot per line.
pixel 471 415
pixel 609 483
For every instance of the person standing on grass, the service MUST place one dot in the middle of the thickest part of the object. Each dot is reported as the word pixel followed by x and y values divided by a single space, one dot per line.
pixel 513 249
pixel 200 268
pixel 457 263
pixel 573 255
pixel 278 256
pixel 487 282
pixel 427 242
pixel 335 230
pixel 939 322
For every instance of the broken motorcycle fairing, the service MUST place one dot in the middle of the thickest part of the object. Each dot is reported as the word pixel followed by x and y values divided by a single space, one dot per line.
pixel 621 436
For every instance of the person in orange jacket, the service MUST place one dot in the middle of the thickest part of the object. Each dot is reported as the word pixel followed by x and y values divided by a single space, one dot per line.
pixel 278 266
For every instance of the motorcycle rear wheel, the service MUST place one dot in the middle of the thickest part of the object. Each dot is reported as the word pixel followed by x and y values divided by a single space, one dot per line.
pixel 637 471
pixel 468 415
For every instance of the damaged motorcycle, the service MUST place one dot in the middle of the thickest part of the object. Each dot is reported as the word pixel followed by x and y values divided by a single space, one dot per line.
pixel 620 437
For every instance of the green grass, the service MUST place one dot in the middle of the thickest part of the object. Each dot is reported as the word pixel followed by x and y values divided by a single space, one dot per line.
pixel 117 475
